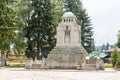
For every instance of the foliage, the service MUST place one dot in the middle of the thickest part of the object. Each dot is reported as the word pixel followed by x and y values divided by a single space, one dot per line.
pixel 57 10
pixel 84 20
pixel 114 57
pixel 22 8
pixel 106 47
pixel 7 24
pixel 40 30
pixel 118 42
pixel 117 65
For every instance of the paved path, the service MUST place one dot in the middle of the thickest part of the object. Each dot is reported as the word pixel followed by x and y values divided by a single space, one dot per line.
pixel 23 74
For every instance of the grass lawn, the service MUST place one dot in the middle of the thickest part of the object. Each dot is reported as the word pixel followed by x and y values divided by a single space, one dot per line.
pixel 108 65
pixel 16 64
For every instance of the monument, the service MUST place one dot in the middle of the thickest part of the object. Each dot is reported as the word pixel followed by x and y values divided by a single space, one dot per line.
pixel 68 53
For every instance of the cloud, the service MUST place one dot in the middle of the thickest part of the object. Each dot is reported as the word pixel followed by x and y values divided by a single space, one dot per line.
pixel 105 16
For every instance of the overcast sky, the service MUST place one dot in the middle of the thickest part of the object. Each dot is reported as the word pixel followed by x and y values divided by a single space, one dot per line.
pixel 105 16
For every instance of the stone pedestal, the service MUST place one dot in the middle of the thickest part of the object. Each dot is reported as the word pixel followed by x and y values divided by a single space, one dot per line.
pixel 66 57
pixel 3 58
pixel 94 64
pixel 33 65
pixel 28 64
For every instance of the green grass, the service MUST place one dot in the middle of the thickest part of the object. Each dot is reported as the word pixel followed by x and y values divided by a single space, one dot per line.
pixel 108 65
pixel 16 64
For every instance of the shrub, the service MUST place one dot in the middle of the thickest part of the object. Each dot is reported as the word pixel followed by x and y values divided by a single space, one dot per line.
pixel 114 57
pixel 117 65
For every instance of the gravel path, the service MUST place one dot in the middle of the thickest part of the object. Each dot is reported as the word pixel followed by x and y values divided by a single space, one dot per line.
pixel 23 74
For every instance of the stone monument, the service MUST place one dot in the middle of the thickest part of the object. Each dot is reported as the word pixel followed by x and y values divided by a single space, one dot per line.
pixel 68 53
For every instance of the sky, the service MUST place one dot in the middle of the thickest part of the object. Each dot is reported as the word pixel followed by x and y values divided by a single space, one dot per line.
pixel 105 15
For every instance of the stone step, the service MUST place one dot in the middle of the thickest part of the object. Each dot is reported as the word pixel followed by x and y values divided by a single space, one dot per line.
pixel 36 66
pixel 90 67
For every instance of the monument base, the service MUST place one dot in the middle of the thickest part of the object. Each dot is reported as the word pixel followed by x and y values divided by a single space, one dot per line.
pixel 66 57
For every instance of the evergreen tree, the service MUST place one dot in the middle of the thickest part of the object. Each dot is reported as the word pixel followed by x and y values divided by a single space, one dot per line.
pixel 93 45
pixel 118 36
pixel 84 20
pixel 7 24
pixel 103 47
pixel 107 46
pixel 57 10
pixel 23 9
pixel 40 31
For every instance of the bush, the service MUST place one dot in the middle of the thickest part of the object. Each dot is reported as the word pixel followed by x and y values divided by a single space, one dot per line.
pixel 114 57
pixel 117 65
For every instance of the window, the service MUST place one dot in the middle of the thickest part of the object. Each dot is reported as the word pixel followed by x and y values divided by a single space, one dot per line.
pixel 67 33
pixel 66 27
pixel 71 20
pixel 67 36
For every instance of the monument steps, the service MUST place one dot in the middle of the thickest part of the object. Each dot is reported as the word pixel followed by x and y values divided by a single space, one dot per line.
pixel 90 66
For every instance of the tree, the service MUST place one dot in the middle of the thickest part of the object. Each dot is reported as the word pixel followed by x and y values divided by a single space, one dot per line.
pixel 23 9
pixel 93 46
pixel 107 46
pixel 84 20
pixel 40 31
pixel 57 10
pixel 103 47
pixel 114 57
pixel 7 24
pixel 118 36
pixel 117 65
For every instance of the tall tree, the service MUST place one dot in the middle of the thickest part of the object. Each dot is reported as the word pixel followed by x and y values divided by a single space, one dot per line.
pixel 107 46
pixel 103 47
pixel 84 20
pixel 7 24
pixel 118 37
pixel 57 9
pixel 23 9
pixel 114 57
pixel 40 31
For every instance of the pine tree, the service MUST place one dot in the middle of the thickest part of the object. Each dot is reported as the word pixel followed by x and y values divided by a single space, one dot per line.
pixel 23 9
pixel 103 47
pixel 84 20
pixel 107 46
pixel 40 31
pixel 118 36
